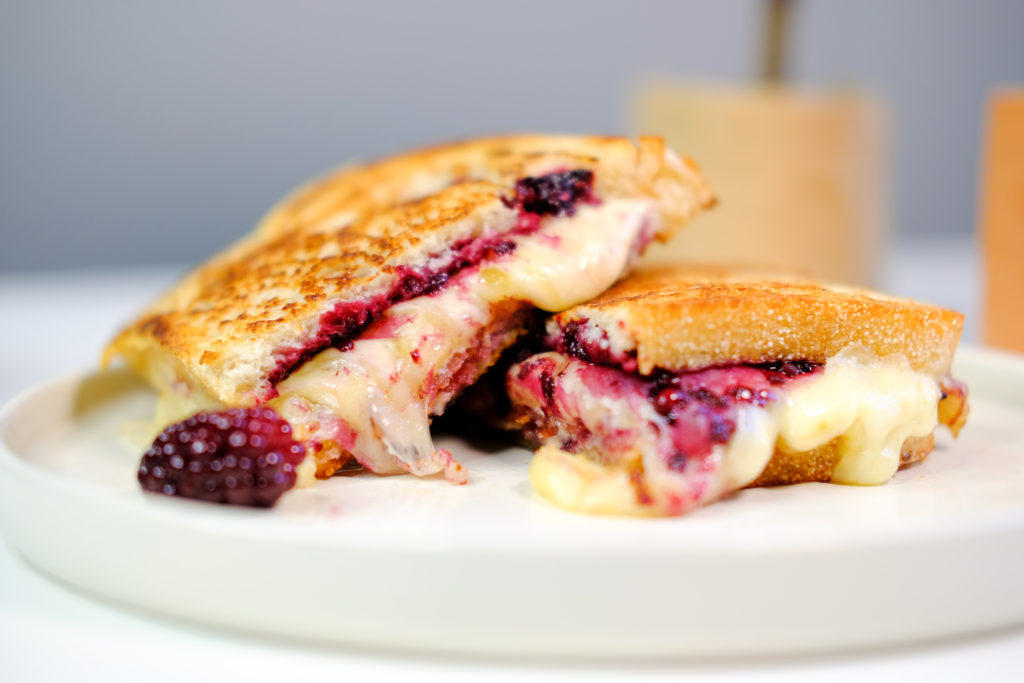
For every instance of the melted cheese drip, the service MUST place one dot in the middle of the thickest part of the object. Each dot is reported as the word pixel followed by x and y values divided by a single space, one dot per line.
pixel 374 392
pixel 573 259
pixel 577 483
pixel 871 405
pixel 373 398
pixel 174 404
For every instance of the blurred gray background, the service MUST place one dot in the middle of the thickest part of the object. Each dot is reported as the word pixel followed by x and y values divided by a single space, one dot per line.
pixel 149 133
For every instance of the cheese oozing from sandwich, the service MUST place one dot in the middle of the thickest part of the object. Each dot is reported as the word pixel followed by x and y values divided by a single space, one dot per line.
pixel 374 399
pixel 616 442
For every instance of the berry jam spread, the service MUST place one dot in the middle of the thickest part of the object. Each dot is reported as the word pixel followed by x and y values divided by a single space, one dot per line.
pixel 555 194
pixel 238 456
pixel 692 411
pixel 573 340
pixel 701 406
pixel 722 386
pixel 347 319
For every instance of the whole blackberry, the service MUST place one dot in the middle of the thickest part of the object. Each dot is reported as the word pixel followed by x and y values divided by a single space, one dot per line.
pixel 242 456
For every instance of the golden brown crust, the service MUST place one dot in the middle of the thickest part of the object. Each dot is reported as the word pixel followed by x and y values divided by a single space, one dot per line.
pixel 953 406
pixel 223 330
pixel 794 468
pixel 818 464
pixel 680 319
pixel 915 449
pixel 645 167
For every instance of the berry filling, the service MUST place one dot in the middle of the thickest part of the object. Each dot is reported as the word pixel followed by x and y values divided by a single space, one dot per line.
pixel 681 414
pixel 578 339
pixel 342 324
pixel 701 406
pixel 721 387
pixel 554 194
pixel 249 457
pixel 238 456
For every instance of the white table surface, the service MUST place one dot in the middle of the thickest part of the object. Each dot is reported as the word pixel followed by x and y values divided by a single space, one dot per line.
pixel 55 323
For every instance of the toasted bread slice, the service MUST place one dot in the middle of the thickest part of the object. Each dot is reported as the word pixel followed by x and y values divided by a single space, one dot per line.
pixel 818 464
pixel 677 387
pixel 248 317
pixel 366 301
pixel 644 168
pixel 698 317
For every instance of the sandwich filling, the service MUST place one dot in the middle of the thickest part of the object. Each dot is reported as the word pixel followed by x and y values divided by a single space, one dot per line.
pixel 391 364
pixel 614 441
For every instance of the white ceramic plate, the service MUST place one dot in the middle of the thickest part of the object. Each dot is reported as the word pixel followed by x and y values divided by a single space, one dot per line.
pixel 425 565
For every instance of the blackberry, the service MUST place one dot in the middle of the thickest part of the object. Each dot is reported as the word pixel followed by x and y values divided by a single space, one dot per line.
pixel 554 194
pixel 241 456
pixel 778 372
pixel 547 386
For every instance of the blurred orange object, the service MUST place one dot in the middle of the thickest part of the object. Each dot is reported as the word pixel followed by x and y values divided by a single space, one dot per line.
pixel 800 176
pixel 1002 221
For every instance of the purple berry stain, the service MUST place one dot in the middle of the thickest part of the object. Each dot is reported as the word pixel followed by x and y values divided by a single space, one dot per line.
pixel 554 194
pixel 240 456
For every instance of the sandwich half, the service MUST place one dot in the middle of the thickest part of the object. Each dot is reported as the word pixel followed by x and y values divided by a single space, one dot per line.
pixel 675 388
pixel 365 301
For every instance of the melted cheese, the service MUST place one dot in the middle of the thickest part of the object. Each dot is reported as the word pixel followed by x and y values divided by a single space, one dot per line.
pixel 750 448
pixel 870 405
pixel 577 483
pixel 373 399
pixel 573 259
pixel 175 403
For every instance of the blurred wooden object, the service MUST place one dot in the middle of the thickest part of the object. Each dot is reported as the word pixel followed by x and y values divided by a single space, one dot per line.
pixel 1002 221
pixel 800 176
pixel 775 41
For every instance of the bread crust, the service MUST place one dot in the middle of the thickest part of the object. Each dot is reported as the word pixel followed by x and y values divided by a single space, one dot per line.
pixel 817 465
pixel 344 237
pixel 645 167
pixel 685 319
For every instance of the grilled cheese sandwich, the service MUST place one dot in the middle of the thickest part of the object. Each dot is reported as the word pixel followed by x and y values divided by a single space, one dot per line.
pixel 618 439
pixel 356 313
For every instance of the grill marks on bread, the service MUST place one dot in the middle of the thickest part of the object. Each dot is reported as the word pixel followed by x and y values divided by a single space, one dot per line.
pixel 275 293
pixel 224 329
